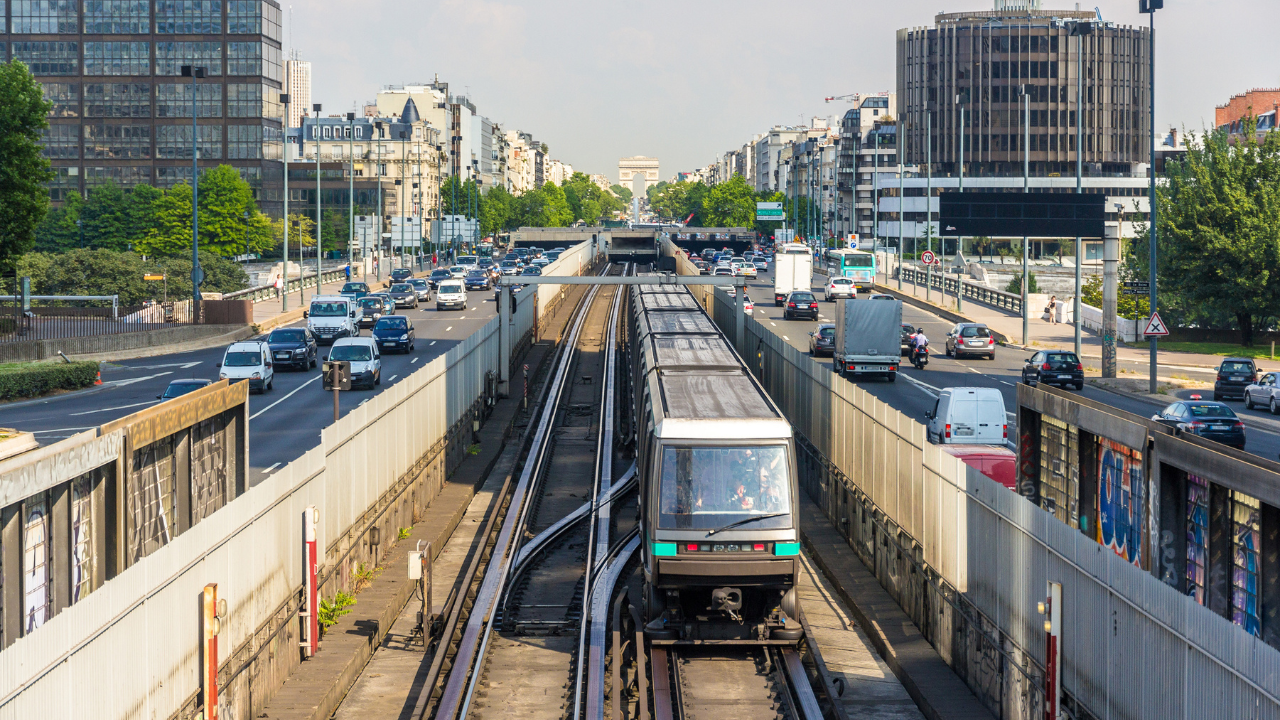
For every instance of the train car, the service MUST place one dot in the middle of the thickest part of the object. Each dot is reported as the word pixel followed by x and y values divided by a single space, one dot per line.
pixel 718 492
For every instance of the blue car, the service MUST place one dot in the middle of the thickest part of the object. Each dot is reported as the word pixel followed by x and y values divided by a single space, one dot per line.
pixel 394 332
pixel 1209 420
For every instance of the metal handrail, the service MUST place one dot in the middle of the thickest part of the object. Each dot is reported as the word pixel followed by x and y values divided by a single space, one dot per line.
pixel 268 292
pixel 972 291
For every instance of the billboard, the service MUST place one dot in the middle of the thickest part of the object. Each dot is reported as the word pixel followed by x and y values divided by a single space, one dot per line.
pixel 1022 214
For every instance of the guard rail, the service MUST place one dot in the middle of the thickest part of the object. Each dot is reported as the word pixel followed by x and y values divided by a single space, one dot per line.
pixel 972 291
pixel 268 292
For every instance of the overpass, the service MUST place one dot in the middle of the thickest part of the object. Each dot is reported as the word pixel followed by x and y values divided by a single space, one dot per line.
pixel 694 240
pixel 638 246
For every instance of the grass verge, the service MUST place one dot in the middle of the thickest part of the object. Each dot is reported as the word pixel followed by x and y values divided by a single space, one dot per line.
pixel 1262 352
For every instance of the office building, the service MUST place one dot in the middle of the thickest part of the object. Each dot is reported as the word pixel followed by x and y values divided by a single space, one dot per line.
pixel 121 108
pixel 297 75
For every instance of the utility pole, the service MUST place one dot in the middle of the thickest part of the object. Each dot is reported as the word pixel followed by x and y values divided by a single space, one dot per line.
pixel 959 240
pixel 1026 186
pixel 377 245
pixel 351 190
pixel 1150 7
pixel 928 197
pixel 284 290
pixel 319 243
pixel 197 274
pixel 1079 29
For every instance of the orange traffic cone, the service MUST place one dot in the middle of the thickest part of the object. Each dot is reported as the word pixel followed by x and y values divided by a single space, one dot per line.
pixel 98 379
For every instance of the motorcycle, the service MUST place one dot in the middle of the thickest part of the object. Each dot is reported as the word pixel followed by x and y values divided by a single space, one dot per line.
pixel 920 357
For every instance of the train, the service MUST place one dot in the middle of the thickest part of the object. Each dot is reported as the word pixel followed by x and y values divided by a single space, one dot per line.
pixel 716 464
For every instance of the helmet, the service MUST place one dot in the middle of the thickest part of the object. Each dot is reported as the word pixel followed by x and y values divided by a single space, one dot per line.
pixel 919 329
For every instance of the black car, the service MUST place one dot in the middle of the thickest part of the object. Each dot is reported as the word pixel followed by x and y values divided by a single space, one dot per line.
pixel 403 295
pixel 400 275
pixel 513 255
pixel 478 280
pixel 823 340
pixel 1234 375
pixel 1209 420
pixel 1054 368
pixel 293 347
pixel 422 287
pixel 438 276
pixel 908 330
pixel 182 387
pixel 355 290
pixel 394 332
pixel 372 307
pixel 801 304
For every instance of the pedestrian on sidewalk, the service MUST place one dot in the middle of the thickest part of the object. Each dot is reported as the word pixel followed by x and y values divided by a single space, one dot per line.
pixel 279 283
pixel 1051 312
pixel 348 269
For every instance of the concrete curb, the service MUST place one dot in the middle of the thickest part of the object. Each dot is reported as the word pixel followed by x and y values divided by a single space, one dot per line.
pixel 937 310
pixel 191 345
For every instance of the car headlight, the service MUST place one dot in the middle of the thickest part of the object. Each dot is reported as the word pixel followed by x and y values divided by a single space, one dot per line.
pixel 222 376
pixel 256 376
pixel 300 351
pixel 404 336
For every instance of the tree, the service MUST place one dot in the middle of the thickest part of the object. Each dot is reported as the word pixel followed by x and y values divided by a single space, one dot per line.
pixel 729 204
pixel 496 211
pixel 24 200
pixel 170 231
pixel 141 211
pixel 623 193
pixel 1219 233
pixel 336 230
pixel 106 218
pixel 587 201
pixel 468 196
pixel 302 230
pixel 57 231
pixel 1015 285
pixel 229 219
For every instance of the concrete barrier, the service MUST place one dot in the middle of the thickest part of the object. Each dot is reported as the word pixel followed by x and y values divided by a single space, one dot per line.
pixel 145 343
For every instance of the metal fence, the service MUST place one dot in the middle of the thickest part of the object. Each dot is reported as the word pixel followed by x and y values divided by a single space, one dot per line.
pixel 55 317
pixel 972 291
pixel 968 560
pixel 295 284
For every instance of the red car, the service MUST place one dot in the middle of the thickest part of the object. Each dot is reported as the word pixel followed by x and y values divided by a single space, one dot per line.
pixel 995 461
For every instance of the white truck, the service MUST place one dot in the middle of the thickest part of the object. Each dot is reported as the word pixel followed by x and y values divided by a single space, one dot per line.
pixel 868 337
pixel 792 271
pixel 333 316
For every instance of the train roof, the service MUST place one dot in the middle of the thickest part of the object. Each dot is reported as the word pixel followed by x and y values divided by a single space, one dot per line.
pixel 693 370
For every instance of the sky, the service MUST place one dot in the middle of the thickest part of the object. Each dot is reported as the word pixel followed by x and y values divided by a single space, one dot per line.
pixel 684 80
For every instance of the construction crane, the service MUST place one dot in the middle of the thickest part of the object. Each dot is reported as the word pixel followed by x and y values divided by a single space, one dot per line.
pixel 851 97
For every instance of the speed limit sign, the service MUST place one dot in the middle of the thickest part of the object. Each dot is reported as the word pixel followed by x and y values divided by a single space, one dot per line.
pixel 927 257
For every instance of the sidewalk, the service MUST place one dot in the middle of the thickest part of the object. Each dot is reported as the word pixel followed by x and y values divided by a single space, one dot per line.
pixel 1043 335
pixel 269 314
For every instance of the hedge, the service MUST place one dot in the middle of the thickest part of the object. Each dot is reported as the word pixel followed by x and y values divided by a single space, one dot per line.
pixel 33 379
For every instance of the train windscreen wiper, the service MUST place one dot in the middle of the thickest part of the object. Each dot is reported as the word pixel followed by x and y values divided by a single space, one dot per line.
pixel 753 518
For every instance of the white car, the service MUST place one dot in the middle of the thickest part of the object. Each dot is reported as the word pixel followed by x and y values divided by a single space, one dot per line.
pixel 250 361
pixel 459 271
pixel 841 287
pixel 450 295
pixel 470 262
pixel 366 361
pixel 744 269
pixel 747 306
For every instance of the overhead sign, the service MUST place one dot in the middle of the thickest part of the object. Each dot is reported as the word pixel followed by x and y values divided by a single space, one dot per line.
pixel 769 211
pixel 1022 214
pixel 927 257
pixel 1155 326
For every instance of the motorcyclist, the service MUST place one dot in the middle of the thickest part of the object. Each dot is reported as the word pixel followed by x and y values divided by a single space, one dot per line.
pixel 918 342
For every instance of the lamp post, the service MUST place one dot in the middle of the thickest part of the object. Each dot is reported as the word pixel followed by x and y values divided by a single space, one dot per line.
pixel 378 244
pixel 928 196
pixel 404 186
pixel 319 209
pixel 197 274
pixel 1026 185
pixel 351 189
pixel 1079 30
pixel 959 240
pixel 284 291
pixel 1150 7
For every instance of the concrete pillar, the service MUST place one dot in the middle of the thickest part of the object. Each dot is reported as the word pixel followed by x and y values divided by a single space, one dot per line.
pixel 1110 293
pixel 504 339
pixel 740 317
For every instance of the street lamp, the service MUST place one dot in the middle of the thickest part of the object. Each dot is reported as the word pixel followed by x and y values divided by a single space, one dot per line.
pixel 284 290
pixel 404 167
pixel 1026 186
pixel 351 189
pixel 1079 30
pixel 378 244
pixel 197 274
pixel 319 243
pixel 1150 7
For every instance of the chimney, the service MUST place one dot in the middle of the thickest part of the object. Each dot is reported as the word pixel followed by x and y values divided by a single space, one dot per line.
pixel 1173 138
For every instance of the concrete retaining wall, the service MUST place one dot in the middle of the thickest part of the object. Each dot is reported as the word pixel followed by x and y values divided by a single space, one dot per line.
pixel 180 338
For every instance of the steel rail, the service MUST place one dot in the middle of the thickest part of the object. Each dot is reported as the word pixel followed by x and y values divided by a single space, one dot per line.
pixel 458 692
pixel 601 593
pixel 537 543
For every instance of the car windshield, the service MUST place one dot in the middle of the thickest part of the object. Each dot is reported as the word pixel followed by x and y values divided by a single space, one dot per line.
pixel 287 336
pixel 402 287
pixel 243 358
pixel 181 388
pixel 355 287
pixel 369 303
pixel 827 332
pixel 532 271
pixel 392 323
pixel 975 332
pixel 450 288
pixel 486 262
pixel 418 283
pixel 1211 411
pixel 468 260
pixel 1236 367
pixel 437 274
pixel 858 261
pixel 704 488
pixel 328 309
pixel 477 275
pixel 509 263
pixel 351 353
pixel 802 297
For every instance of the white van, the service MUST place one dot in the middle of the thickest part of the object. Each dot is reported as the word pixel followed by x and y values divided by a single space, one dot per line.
pixel 470 262
pixel 450 294
pixel 333 316
pixel 968 415
pixel 250 360
pixel 366 361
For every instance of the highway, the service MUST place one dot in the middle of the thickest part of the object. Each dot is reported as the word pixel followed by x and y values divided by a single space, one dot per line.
pixel 919 391
pixel 284 423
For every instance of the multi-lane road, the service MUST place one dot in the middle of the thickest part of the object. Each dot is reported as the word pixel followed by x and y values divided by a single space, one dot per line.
pixel 916 391
pixel 284 423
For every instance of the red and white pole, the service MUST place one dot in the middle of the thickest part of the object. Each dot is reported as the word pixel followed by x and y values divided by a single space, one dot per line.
pixel 310 568
pixel 212 625
pixel 1051 608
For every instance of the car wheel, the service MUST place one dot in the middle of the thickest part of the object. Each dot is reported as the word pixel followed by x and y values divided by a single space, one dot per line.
pixel 377 379
pixel 1273 407
pixel 1215 397
pixel 1079 385
pixel 271 384
pixel 992 356
pixel 311 364
pixel 893 377
pixel 1248 401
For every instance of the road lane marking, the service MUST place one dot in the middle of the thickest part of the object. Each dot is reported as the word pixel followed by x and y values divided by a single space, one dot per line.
pixel 130 381
pixel 433 342
pixel 1007 383
pixel 118 407
pixel 75 429
pixel 416 359
pixel 184 366
pixel 268 470
pixel 784 337
pixel 392 378
pixel 773 323
pixel 448 328
pixel 286 397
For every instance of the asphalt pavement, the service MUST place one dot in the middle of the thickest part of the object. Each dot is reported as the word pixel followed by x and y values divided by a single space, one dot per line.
pixel 284 423
pixel 916 391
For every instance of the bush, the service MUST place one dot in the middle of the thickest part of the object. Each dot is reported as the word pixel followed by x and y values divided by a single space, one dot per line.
pixel 1015 285
pixel 33 379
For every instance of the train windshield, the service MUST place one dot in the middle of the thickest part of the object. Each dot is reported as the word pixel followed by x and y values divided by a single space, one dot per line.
pixel 704 488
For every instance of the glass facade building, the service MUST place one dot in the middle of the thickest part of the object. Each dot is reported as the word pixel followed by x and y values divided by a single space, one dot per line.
pixel 121 110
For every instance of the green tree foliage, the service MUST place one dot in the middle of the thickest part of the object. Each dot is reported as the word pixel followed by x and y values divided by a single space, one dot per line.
pixel 623 193
pixel 729 204
pixel 1015 285
pixel 112 272
pixel 230 223
pixel 170 231
pixel 302 229
pixel 23 170
pixel 588 202
pixel 1219 239
pixel 544 207
pixel 496 211
pixel 1129 306
pixel 105 216
pixel 336 230
pixel 460 198
pixel 57 232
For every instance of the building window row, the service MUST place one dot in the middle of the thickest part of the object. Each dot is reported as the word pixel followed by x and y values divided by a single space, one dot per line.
pixel 54 58
pixel 133 17
pixel 172 100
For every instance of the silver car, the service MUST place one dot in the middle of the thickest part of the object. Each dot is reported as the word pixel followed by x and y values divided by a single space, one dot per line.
pixel 1264 393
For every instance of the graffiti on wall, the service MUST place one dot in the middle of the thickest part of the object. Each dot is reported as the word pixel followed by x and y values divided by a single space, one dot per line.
pixel 1121 500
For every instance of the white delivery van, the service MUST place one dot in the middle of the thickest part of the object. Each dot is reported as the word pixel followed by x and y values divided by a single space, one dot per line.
pixel 333 316
pixel 451 294
pixel 249 360
pixel 792 271
pixel 968 415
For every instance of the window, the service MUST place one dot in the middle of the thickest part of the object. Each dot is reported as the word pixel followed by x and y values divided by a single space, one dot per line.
pixel 1197 537
pixel 65 98
pixel 44 16
pixel 173 142
pixel 245 100
pixel 117 58
pixel 244 142
pixel 710 487
pixel 60 141
pixel 117 100
pixel 1246 531
pixel 49 58
pixel 127 176
pixel 174 100
pixel 244 17
pixel 189 17
pixel 171 56
pixel 117 142
pixel 244 58
pixel 117 17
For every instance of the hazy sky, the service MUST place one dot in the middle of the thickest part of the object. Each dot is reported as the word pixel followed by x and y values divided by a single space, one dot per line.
pixel 684 80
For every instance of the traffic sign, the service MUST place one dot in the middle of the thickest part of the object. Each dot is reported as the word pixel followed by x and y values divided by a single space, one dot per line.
pixel 1155 326
pixel 769 211
pixel 153 277
pixel 927 257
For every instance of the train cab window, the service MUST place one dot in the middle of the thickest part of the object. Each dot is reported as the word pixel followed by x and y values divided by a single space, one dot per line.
pixel 705 488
